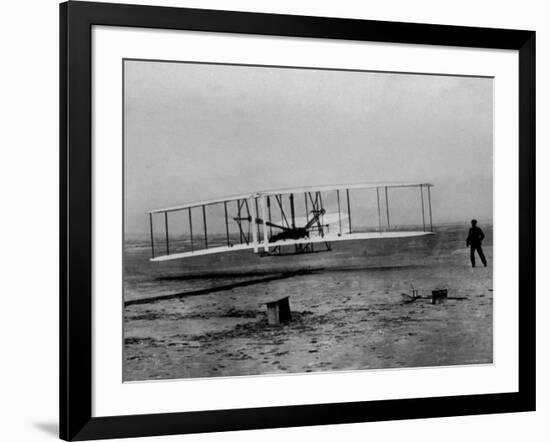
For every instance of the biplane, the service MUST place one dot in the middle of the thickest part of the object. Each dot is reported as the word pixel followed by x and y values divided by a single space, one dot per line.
pixel 284 221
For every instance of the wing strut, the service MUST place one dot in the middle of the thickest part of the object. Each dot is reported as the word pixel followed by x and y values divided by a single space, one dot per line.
pixel 257 215
pixel 292 215
pixel 166 227
pixel 378 204
pixel 430 208
pixel 349 210
pixel 226 223
pixel 307 208
pixel 387 207
pixel 204 223
pixel 191 229
pixel 339 211
pixel 264 224
pixel 255 232
pixel 279 200
pixel 152 238
pixel 269 215
pixel 423 216
pixel 239 218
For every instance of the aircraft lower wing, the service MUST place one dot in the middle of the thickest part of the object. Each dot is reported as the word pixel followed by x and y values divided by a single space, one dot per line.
pixel 266 247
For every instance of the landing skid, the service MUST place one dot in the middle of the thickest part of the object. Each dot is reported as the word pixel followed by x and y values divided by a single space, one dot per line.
pixel 299 249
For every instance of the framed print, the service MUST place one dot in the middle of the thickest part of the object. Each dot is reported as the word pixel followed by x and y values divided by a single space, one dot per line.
pixel 272 220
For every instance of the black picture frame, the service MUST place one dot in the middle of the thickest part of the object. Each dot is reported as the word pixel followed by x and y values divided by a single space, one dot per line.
pixel 76 21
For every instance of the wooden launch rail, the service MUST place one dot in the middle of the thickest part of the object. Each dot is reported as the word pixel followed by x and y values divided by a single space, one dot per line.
pixel 215 289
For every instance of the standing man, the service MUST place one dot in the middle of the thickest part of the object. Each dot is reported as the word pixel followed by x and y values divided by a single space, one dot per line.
pixel 475 237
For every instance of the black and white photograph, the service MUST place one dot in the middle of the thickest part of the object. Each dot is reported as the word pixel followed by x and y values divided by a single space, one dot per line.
pixel 291 220
pixel 243 221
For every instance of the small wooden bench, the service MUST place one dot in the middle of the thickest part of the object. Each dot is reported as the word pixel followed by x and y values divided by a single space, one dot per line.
pixel 278 310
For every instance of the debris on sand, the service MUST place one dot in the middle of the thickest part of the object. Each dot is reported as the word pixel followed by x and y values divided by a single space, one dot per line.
pixel 407 299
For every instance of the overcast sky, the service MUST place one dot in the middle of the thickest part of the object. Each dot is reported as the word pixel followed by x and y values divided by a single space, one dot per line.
pixel 196 131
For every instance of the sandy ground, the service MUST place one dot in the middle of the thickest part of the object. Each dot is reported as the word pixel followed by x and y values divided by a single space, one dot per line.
pixel 343 316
